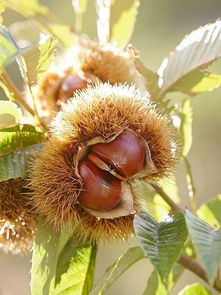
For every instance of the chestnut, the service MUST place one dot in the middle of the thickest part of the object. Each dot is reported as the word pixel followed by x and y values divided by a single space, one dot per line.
pixel 101 190
pixel 70 84
pixel 126 153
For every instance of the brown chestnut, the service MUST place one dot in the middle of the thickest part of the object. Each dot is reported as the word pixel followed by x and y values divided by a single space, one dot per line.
pixel 101 191
pixel 126 153
pixel 70 84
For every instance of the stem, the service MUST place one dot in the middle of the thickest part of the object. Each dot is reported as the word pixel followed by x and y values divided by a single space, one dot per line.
pixel 166 198
pixel 78 22
pixel 197 269
pixel 190 185
pixel 187 262
pixel 16 93
pixel 38 118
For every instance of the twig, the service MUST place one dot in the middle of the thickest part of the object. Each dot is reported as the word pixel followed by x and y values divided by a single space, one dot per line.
pixel 197 269
pixel 16 93
pixel 190 185
pixel 187 262
pixel 166 198
pixel 38 118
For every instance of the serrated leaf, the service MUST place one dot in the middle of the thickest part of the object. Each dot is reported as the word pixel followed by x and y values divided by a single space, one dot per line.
pixel 46 250
pixel 10 114
pixel 26 8
pixel 57 266
pixel 207 242
pixel 17 146
pixel 122 20
pixel 198 82
pixel 161 242
pixel 156 287
pixel 186 114
pixel 210 212
pixel 117 269
pixel 194 289
pixel 19 136
pixel 75 270
pixel 37 61
pixel 8 48
pixel 26 33
pixel 197 51
pixel 63 34
pixel 16 164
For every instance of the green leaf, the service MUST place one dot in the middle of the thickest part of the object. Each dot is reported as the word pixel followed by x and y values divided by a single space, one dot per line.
pixel 19 136
pixel 122 20
pixel 196 52
pixel 26 33
pixel 17 164
pixel 75 270
pixel 17 146
pixel 210 212
pixel 37 61
pixel 195 289
pixel 207 242
pixel 118 268
pixel 198 81
pixel 186 114
pixel 63 34
pixel 46 250
pixel 57 266
pixel 155 286
pixel 8 47
pixel 161 242
pixel 26 8
pixel 10 114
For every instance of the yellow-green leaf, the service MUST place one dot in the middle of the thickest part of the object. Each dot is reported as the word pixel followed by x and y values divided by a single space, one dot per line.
pixel 122 20
pixel 10 114
pixel 186 126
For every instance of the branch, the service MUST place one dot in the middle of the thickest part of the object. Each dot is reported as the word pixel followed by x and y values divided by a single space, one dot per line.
pixel 16 93
pixel 187 262
pixel 166 198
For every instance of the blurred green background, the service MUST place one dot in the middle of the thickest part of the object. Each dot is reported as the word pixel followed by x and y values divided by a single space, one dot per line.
pixel 160 26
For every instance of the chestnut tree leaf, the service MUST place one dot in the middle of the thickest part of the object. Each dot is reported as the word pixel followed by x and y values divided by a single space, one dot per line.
pixel 185 115
pixel 161 242
pixel 26 8
pixel 207 242
pixel 195 289
pixel 10 114
pixel 57 266
pixel 123 16
pixel 117 269
pixel 155 285
pixel 75 270
pixel 8 48
pixel 198 82
pixel 195 52
pixel 17 146
pixel 17 164
pixel 35 62
pixel 210 212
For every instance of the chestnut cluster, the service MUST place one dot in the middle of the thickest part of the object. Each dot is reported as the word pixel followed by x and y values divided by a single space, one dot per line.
pixel 106 166
pixel 58 88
